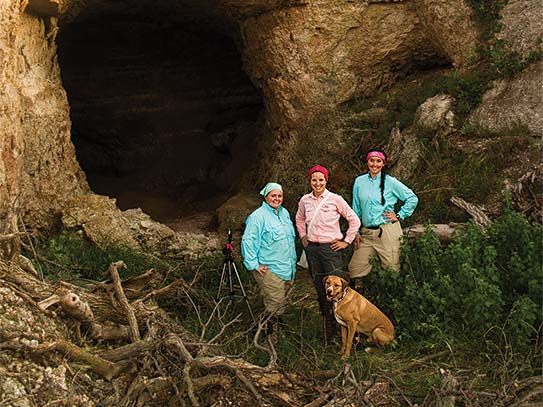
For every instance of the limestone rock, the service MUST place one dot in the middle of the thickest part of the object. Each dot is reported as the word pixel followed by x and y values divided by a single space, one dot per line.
pixel 522 22
pixel 38 167
pixel 101 221
pixel 513 104
pixel 436 114
pixel 232 214
pixel 450 28
pixel 403 150
pixel 41 7
pixel 23 327
pixel 105 224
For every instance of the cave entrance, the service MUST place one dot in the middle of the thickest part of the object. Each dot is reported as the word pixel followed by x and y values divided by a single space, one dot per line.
pixel 163 116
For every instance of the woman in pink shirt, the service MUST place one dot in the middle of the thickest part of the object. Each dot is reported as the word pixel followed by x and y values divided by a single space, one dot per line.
pixel 317 222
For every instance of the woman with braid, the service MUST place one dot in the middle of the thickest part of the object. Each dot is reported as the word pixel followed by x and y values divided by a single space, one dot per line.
pixel 374 196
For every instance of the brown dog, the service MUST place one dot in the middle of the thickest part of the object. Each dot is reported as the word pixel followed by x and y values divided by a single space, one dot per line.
pixel 355 313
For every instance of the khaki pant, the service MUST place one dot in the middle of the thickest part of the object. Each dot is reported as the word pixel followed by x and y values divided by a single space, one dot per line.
pixel 274 291
pixel 386 247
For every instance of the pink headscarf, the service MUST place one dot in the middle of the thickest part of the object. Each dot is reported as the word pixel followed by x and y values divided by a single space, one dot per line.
pixel 318 168
pixel 376 154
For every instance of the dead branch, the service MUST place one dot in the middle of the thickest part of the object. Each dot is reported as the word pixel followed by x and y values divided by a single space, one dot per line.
pixel 132 286
pixel 420 361
pixel 190 388
pixel 132 350
pixel 132 321
pixel 173 286
pixel 534 394
pixel 81 312
pixel 104 368
pixel 444 232
pixel 27 265
pixel 100 305
pixel 475 211
pixel 11 236
pixel 75 308
pixel 219 361
pixel 319 401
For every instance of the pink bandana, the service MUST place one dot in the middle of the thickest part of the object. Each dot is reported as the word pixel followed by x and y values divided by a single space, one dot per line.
pixel 318 168
pixel 376 154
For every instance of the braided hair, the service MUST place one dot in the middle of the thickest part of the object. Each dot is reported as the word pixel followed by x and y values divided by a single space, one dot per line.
pixel 383 173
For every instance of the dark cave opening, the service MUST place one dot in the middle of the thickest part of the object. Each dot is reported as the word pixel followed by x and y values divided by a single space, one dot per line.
pixel 163 116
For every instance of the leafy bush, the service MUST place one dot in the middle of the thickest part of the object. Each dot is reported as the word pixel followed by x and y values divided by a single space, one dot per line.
pixel 477 287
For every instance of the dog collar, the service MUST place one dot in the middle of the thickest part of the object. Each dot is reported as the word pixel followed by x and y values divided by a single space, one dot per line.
pixel 343 296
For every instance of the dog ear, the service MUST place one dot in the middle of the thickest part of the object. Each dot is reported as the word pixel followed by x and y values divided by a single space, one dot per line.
pixel 324 280
pixel 344 284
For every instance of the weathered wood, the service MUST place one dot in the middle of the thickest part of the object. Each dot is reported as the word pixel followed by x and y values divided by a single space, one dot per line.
pixel 477 212
pixel 103 307
pixel 444 232
pixel 132 350
pixel 104 368
pixel 132 321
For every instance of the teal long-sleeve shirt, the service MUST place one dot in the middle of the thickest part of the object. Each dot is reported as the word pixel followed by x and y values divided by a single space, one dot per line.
pixel 367 199
pixel 268 240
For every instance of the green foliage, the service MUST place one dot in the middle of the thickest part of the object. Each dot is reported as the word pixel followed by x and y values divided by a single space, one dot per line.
pixel 487 15
pixel 70 256
pixel 467 89
pixel 445 170
pixel 477 287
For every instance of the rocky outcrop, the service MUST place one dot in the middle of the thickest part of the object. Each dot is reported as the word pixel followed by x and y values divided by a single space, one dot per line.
pixel 436 114
pixel 38 166
pixel 311 58
pixel 522 22
pixel 513 104
pixel 104 224
pixel 443 21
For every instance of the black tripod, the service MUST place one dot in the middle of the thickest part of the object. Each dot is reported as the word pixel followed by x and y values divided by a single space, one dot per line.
pixel 230 267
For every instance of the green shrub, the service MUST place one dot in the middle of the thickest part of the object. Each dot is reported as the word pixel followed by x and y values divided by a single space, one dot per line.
pixel 467 89
pixel 479 286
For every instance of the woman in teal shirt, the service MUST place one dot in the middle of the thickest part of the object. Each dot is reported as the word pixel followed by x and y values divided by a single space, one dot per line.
pixel 374 196
pixel 268 250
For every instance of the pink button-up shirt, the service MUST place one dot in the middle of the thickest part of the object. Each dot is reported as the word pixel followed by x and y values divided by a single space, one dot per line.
pixel 325 227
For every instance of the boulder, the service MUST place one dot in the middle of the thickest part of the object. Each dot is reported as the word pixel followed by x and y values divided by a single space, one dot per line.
pixel 513 104
pixel 522 26
pixel 232 214
pixel 435 114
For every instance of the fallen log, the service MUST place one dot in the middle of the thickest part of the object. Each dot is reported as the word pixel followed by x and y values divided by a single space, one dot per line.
pixel 477 212
pixel 102 306
pixel 108 370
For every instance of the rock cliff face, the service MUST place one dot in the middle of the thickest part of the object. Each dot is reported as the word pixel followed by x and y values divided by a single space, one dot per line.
pixel 311 58
pixel 189 102
pixel 38 167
